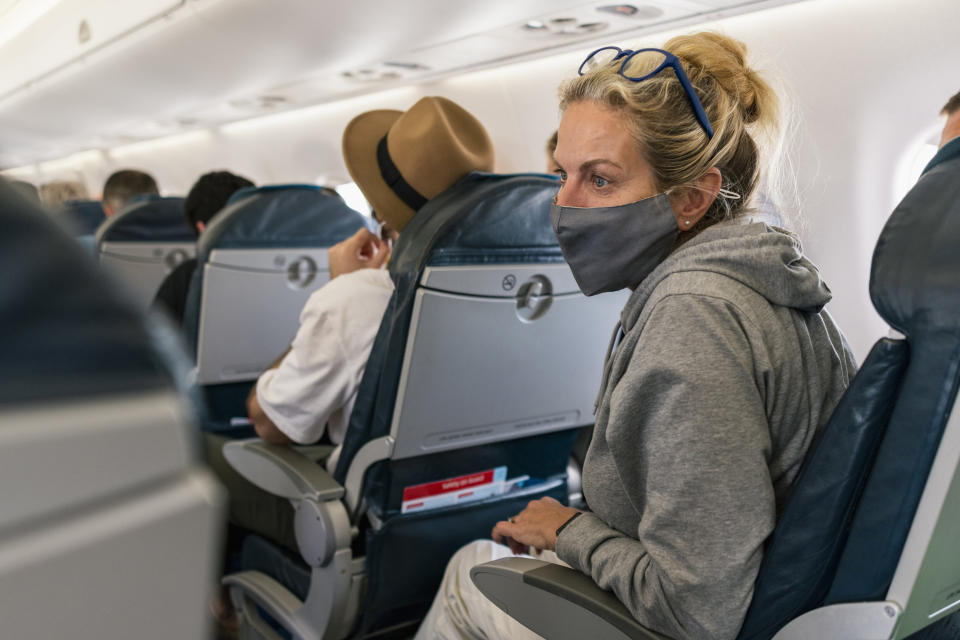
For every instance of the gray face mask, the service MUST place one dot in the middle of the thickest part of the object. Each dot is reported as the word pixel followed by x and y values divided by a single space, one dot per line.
pixel 612 248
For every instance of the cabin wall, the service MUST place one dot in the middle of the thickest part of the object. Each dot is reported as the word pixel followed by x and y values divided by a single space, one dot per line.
pixel 866 78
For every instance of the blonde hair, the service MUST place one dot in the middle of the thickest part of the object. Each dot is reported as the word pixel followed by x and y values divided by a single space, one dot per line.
pixel 743 110
pixel 55 193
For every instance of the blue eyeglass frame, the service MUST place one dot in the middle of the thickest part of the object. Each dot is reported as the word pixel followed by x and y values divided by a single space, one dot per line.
pixel 669 60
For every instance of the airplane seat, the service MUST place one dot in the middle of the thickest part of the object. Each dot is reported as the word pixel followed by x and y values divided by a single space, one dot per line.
pixel 105 510
pixel 258 262
pixel 483 371
pixel 143 242
pixel 866 545
pixel 82 218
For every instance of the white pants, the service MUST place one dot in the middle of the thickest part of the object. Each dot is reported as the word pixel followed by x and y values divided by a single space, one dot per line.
pixel 461 612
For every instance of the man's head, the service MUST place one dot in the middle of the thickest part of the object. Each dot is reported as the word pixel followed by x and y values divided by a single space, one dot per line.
pixel 400 160
pixel 952 127
pixel 123 185
pixel 209 195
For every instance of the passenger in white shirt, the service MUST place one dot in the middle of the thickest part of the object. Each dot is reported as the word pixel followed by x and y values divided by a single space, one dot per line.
pixel 399 160
pixel 314 384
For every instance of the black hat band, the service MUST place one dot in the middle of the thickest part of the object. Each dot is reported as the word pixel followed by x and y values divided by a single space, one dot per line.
pixel 391 174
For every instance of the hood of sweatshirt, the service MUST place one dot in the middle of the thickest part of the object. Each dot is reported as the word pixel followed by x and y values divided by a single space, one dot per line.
pixel 766 259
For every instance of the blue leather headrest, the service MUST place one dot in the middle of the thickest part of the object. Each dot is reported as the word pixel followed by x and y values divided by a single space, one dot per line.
pixel 64 331
pixel 147 220
pixel 82 217
pixel 280 216
pixel 240 194
pixel 915 265
pixel 484 218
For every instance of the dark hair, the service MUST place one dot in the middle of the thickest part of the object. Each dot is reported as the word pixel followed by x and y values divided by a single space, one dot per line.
pixel 952 106
pixel 26 189
pixel 126 183
pixel 209 195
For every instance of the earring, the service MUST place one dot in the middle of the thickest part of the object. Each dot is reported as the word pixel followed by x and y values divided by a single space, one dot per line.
pixel 687 222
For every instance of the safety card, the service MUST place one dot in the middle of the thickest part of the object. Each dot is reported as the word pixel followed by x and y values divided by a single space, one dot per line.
pixel 443 493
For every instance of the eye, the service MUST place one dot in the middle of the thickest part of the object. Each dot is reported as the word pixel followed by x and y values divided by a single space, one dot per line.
pixel 562 174
pixel 599 182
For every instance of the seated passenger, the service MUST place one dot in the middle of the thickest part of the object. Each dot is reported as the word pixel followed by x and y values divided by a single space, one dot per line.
pixel 206 198
pixel 399 160
pixel 426 150
pixel 951 128
pixel 727 365
pixel 55 193
pixel 123 185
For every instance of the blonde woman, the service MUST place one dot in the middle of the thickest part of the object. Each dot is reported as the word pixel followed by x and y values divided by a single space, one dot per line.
pixel 726 364
pixel 55 193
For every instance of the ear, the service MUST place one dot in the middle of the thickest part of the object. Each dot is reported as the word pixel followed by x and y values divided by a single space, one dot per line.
pixel 691 203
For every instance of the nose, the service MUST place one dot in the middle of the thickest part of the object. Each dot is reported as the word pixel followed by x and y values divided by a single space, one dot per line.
pixel 568 196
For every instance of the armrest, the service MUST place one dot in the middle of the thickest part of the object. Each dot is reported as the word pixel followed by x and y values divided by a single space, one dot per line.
pixel 281 470
pixel 315 452
pixel 557 602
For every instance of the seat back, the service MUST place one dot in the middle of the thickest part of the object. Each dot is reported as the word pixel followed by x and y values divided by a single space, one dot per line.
pixel 802 554
pixel 488 357
pixel 96 455
pixel 82 217
pixel 525 322
pixel 258 263
pixel 888 448
pixel 142 243
pixel 902 541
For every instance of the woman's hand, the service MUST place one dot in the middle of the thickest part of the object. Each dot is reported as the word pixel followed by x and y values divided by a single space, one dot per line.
pixel 536 526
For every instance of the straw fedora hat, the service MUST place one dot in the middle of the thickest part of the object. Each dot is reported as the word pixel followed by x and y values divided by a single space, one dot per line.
pixel 401 159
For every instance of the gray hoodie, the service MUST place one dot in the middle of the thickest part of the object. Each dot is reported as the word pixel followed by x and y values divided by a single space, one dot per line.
pixel 727 369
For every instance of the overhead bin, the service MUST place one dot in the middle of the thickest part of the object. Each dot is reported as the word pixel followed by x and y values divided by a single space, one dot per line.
pixel 69 30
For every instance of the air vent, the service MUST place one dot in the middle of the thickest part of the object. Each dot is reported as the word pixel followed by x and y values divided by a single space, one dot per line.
pixel 259 103
pixel 563 26
pixel 390 70
pixel 407 66
pixel 642 12
pixel 83 32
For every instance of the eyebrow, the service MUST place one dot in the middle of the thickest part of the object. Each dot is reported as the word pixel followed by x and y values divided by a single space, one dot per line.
pixel 589 164
pixel 592 163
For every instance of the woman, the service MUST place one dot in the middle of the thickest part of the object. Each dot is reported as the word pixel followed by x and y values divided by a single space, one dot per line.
pixel 726 364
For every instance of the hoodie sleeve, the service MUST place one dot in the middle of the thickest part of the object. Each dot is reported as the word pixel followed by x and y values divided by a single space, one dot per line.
pixel 690 441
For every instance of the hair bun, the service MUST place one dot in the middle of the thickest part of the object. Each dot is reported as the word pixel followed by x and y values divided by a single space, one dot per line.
pixel 724 60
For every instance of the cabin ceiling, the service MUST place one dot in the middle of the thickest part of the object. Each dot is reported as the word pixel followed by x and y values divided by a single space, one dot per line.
pixel 95 74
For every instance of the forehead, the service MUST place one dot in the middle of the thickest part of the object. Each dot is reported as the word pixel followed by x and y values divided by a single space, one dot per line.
pixel 592 130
